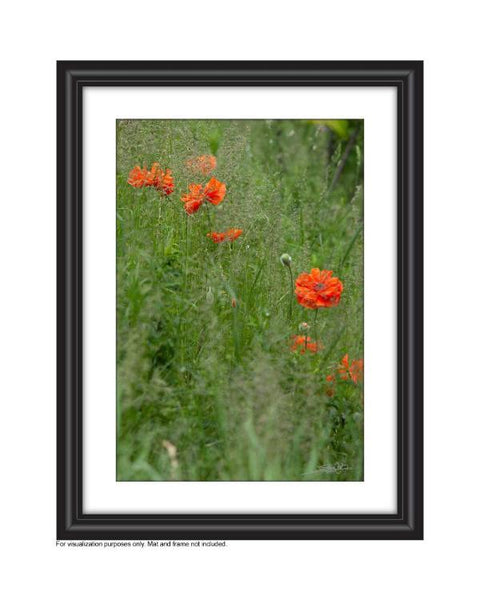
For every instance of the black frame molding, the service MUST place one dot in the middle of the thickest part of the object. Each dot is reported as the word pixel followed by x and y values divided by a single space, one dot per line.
pixel 407 78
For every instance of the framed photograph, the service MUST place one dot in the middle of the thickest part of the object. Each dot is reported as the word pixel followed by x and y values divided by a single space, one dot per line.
pixel 240 300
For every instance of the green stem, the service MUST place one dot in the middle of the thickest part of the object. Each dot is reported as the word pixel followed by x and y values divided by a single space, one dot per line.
pixel 236 341
pixel 185 279
pixel 291 292
pixel 186 252
pixel 160 238
pixel 209 216
pixel 315 326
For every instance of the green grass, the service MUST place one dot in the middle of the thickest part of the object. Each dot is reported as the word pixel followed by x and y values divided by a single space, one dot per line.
pixel 219 383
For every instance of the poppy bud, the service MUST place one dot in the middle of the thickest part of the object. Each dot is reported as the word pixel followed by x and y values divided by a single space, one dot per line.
pixel 286 260
pixel 304 326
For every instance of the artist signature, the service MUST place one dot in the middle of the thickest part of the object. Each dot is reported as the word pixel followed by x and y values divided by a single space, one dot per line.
pixel 336 468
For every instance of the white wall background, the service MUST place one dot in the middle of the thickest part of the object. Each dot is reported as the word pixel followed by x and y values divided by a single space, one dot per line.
pixel 34 35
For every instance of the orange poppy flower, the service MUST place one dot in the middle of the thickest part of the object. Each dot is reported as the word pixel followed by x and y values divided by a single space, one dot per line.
pixel 318 289
pixel 216 237
pixel 304 343
pixel 194 199
pixel 154 177
pixel 343 369
pixel 204 164
pixel 191 206
pixel 154 172
pixel 164 181
pixel 356 370
pixel 137 177
pixel 353 370
pixel 215 191
pixel 330 388
pixel 230 235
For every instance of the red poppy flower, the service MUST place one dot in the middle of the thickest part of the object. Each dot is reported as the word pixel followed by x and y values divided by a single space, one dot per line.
pixel 216 237
pixel 230 235
pixel 318 289
pixel 356 370
pixel 353 370
pixel 204 164
pixel 164 181
pixel 194 199
pixel 154 172
pixel 330 388
pixel 344 368
pixel 137 176
pixel 191 206
pixel 154 177
pixel 304 343
pixel 215 191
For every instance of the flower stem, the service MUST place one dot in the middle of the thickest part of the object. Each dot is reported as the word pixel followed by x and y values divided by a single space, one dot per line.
pixel 236 340
pixel 315 326
pixel 160 239
pixel 291 292
pixel 186 252
pixel 185 279
pixel 209 217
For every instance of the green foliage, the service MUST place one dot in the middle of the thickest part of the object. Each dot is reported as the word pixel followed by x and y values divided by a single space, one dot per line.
pixel 215 378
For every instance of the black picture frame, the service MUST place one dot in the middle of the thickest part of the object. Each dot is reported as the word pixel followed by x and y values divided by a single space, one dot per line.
pixel 407 522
